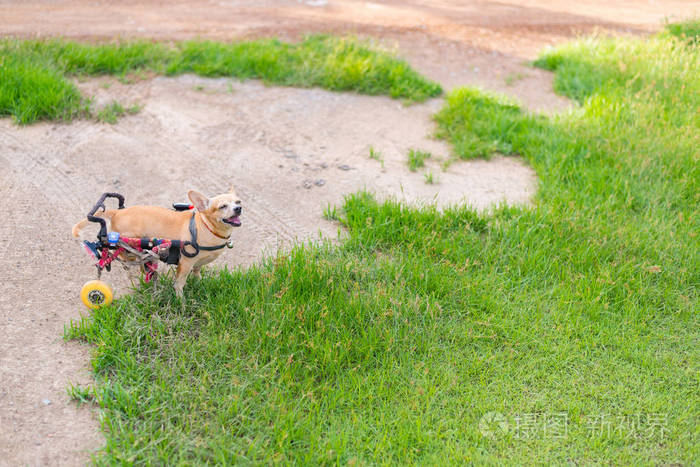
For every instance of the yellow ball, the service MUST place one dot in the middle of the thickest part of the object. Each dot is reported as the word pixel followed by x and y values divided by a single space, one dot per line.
pixel 96 294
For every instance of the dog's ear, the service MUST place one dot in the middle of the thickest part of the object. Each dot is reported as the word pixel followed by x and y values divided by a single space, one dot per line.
pixel 200 201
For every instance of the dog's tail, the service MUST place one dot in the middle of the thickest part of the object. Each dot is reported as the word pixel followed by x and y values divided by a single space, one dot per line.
pixel 80 225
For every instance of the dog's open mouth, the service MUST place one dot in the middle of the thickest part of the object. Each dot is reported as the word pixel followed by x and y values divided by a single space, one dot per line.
pixel 233 220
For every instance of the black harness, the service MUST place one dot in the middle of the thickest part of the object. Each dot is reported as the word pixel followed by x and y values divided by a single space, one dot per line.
pixel 194 244
pixel 179 246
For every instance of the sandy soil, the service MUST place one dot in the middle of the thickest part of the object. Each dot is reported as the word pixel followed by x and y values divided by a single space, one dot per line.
pixel 289 152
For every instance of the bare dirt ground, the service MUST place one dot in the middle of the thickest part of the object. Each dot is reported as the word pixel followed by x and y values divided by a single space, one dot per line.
pixel 289 152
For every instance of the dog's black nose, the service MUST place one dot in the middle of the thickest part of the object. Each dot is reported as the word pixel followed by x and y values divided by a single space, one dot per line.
pixel 237 210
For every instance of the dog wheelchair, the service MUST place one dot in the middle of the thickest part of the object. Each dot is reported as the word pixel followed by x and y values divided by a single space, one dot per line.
pixel 145 253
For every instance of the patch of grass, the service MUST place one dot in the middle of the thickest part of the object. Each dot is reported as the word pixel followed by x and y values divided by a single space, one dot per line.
pixel 81 395
pixel 688 30
pixel 416 159
pixel 500 122
pixel 133 109
pixel 376 155
pixel 112 111
pixel 34 74
pixel 31 91
pixel 576 318
pixel 429 178
pixel 512 78
pixel 340 64
pixel 330 213
pixel 75 58
pixel 578 79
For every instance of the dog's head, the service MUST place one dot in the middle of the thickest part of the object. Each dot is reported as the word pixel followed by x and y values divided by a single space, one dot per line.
pixel 224 210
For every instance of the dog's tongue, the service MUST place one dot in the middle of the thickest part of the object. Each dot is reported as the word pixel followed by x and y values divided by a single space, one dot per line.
pixel 234 221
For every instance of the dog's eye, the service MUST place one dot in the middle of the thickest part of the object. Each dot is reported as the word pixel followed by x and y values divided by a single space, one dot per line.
pixel 223 206
pixel 238 201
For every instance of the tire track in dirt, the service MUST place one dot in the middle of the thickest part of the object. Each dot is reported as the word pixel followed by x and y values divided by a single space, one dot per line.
pixel 265 221
pixel 11 202
pixel 37 298
pixel 262 216
pixel 32 165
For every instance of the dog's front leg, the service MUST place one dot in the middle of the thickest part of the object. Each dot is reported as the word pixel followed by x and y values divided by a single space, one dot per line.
pixel 183 269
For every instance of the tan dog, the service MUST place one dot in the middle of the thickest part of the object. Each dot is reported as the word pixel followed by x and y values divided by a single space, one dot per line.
pixel 214 220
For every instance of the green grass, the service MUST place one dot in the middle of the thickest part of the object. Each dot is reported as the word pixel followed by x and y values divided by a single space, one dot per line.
pixel 392 346
pixel 687 30
pixel 500 122
pixel 376 155
pixel 35 75
pixel 512 78
pixel 30 91
pixel 112 111
pixel 416 159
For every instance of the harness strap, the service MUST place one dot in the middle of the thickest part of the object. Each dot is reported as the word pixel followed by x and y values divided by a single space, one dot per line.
pixel 193 243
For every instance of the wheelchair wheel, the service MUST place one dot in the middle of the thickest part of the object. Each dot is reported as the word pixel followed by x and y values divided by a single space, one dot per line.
pixel 96 294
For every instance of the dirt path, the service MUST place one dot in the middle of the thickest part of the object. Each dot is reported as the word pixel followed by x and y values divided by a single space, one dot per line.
pixel 288 151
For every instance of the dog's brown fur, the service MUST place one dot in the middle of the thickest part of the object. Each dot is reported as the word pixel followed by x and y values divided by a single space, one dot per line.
pixel 158 222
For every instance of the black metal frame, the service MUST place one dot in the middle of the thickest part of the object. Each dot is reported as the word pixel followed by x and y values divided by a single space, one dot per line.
pixel 102 236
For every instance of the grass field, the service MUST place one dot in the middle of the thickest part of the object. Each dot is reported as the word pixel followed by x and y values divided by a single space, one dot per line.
pixel 35 76
pixel 565 332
